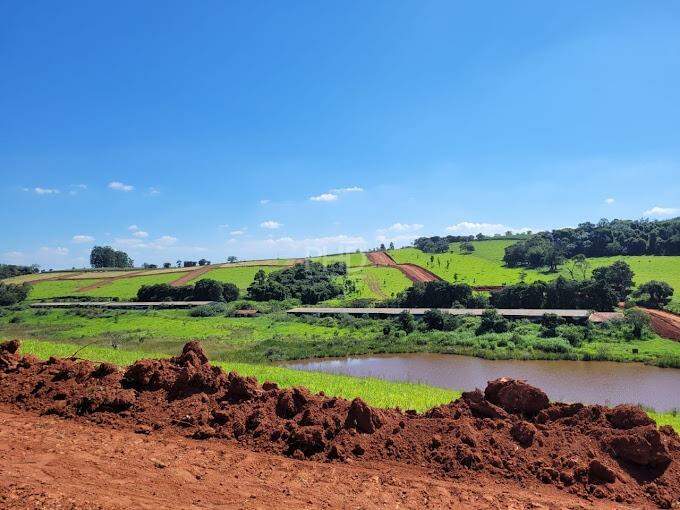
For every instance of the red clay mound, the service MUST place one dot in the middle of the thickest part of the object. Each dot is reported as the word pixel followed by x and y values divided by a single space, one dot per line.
pixel 510 432
pixel 665 324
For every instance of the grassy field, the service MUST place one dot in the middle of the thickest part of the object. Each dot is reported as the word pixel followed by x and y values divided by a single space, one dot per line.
pixel 57 288
pixel 351 259
pixel 377 282
pixel 241 276
pixel 278 336
pixel 376 392
pixel 485 266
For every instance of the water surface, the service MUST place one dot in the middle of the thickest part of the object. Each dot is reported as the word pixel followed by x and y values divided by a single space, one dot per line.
pixel 601 382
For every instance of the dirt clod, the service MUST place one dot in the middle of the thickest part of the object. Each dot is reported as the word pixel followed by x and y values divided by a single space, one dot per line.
pixel 509 431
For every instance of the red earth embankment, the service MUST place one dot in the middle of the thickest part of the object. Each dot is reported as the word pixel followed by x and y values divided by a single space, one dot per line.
pixel 510 433
pixel 191 275
pixel 665 324
pixel 413 272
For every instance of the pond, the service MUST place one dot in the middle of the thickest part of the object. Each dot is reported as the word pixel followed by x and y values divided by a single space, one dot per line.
pixel 593 382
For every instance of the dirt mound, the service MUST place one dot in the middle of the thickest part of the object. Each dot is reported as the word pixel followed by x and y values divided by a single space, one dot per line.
pixel 509 432
pixel 413 272
pixel 665 324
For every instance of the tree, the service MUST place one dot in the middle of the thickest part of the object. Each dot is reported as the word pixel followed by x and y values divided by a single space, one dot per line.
pixel 382 246
pixel 11 294
pixel 230 292
pixel 466 248
pixel 577 266
pixel 179 263
pixel 231 259
pixel 406 322
pixel 618 276
pixel 105 256
pixel 434 319
pixel 391 245
pixel 637 320
pixel 166 265
pixel 203 262
pixel 654 294
pixel 189 263
pixel 492 322
pixel 208 290
pixel 549 323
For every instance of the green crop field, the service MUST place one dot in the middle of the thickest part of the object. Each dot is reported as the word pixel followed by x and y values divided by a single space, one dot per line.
pixel 351 259
pixel 57 288
pixel 485 266
pixel 378 282
pixel 241 276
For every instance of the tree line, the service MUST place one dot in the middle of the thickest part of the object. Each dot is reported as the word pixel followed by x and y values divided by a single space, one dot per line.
pixel 602 239
pixel 205 289
pixel 10 270
pixel 105 256
pixel 440 244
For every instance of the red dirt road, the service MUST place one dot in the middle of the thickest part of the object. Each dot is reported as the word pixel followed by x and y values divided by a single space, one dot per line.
pixel 191 275
pixel 665 324
pixel 51 463
pixel 413 272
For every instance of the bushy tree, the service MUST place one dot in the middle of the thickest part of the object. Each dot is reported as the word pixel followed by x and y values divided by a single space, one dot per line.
pixel 618 276
pixel 208 290
pixel 105 256
pixel 654 294
pixel 434 319
pixel 466 248
pixel 311 282
pixel 436 294
pixel 492 322
pixel 10 270
pixel 637 320
pixel 405 322
pixel 11 294
pixel 230 292
pixel 549 324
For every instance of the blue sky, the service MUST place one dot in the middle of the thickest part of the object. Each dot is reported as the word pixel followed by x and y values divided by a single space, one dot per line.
pixel 181 130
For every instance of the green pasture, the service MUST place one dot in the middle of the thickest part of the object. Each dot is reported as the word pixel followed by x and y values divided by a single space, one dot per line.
pixel 351 259
pixel 241 276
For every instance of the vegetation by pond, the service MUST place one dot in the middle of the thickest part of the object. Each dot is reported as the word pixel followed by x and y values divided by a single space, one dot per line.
pixel 276 336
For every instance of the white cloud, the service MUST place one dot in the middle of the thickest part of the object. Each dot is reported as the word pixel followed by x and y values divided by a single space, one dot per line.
pixel 81 238
pixel 314 245
pixel 154 191
pixel 119 186
pixel 57 250
pixel 236 233
pixel 166 240
pixel 45 191
pixel 271 224
pixel 159 243
pixel 351 189
pixel 264 201
pixel 609 201
pixel 140 234
pixel 13 254
pixel 402 227
pixel 132 228
pixel 324 197
pixel 661 212
pixel 472 228
pixel 77 188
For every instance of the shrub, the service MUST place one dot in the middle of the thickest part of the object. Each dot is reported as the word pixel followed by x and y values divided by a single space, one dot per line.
pixel 11 294
pixel 492 322
pixel 437 294
pixel 208 290
pixel 557 345
pixel 434 320
pixel 210 310
pixel 230 292
pixel 637 320
pixel 654 294
pixel 405 322
pixel 572 334
pixel 549 324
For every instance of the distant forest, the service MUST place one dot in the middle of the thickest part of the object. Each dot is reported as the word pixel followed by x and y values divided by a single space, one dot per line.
pixel 602 239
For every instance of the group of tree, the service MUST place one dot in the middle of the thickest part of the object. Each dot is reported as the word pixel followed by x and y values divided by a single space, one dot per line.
pixel 440 244
pixel 203 290
pixel 10 270
pixel 438 294
pixel 603 291
pixel 310 282
pixel 11 294
pixel 105 256
pixel 605 238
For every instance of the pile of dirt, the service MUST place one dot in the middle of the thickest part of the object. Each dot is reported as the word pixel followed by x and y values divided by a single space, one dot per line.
pixel 510 431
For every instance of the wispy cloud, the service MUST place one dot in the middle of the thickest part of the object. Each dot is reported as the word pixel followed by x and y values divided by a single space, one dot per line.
pixel 609 201
pixel 264 201
pixel 119 186
pixel 56 250
pixel 662 212
pixel 140 234
pixel 402 227
pixel 271 224
pixel 324 197
pixel 82 238
pixel 237 232
pixel 43 191
pixel 154 191
pixel 472 227
pixel 334 194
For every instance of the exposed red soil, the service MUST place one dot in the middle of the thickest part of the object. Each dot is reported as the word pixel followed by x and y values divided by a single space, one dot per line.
pixel 509 432
pixel 665 324
pixel 191 275
pixel 413 272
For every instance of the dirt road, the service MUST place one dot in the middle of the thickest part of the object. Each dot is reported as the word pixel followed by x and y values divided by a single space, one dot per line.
pixel 51 463
pixel 413 272
pixel 191 275
pixel 665 324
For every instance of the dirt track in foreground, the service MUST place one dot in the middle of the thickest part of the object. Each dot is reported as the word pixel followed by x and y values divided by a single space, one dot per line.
pixel 413 272
pixel 509 436
pixel 51 463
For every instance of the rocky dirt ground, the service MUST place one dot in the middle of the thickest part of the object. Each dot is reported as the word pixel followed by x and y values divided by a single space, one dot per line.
pixel 179 433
